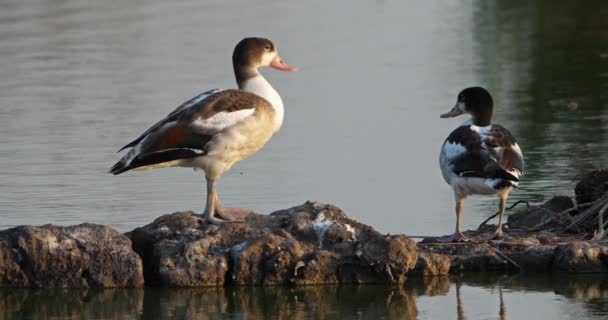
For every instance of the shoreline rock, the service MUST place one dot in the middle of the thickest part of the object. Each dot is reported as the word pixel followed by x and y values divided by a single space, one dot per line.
pixel 523 253
pixel 80 256
pixel 309 244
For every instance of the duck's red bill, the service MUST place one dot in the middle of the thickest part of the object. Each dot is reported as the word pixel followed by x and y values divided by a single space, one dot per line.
pixel 279 64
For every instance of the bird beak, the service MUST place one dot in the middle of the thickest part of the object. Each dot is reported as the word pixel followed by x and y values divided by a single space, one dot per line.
pixel 279 64
pixel 455 112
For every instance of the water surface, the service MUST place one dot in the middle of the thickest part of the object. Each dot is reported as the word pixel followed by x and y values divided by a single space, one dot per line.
pixel 79 79
pixel 492 297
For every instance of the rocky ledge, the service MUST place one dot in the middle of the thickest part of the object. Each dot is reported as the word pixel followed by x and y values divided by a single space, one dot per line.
pixel 309 244
pixel 526 252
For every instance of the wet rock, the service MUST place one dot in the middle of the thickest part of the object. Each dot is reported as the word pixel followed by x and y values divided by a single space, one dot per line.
pixel 534 258
pixel 470 257
pixel 547 215
pixel 591 187
pixel 81 256
pixel 308 244
pixel 432 264
pixel 581 257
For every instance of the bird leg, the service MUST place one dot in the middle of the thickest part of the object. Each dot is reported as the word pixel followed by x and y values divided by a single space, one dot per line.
pixel 501 209
pixel 231 214
pixel 458 236
pixel 209 213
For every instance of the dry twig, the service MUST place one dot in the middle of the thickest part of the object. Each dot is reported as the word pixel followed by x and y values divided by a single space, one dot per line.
pixel 497 213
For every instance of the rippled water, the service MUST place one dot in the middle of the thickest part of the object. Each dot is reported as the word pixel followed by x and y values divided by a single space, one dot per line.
pixel 436 298
pixel 79 79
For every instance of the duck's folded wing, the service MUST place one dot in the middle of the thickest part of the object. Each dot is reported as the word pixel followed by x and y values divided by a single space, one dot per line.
pixel 502 146
pixel 480 164
pixel 467 155
pixel 187 134
pixel 173 115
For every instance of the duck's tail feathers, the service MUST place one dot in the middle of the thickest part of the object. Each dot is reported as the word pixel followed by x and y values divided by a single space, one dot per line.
pixel 159 159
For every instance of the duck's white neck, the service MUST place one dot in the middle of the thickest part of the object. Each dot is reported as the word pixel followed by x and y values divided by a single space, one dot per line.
pixel 260 86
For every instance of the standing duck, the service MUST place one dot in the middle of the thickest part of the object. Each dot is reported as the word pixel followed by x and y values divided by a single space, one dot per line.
pixel 479 157
pixel 217 128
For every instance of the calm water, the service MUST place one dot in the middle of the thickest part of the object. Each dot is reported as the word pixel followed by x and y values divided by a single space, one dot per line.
pixel 438 298
pixel 79 79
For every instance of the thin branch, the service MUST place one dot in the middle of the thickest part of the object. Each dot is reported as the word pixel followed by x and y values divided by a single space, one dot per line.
pixel 586 215
pixel 504 256
pixel 497 213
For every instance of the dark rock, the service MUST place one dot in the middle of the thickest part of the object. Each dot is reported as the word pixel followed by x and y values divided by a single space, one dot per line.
pixel 534 258
pixel 470 257
pixel 309 244
pixel 81 256
pixel 547 215
pixel 523 252
pixel 591 187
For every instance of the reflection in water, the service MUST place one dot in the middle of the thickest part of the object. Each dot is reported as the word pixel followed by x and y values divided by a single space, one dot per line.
pixel 210 303
pixel 429 286
pixel 583 297
pixel 70 304
pixel 503 308
pixel 460 306
pixel 280 303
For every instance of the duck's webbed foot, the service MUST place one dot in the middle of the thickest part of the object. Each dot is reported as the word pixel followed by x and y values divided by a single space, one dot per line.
pixel 212 219
pixel 498 235
pixel 233 214
pixel 456 237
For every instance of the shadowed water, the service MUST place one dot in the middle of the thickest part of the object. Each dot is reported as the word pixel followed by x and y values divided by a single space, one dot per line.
pixel 79 79
pixel 435 298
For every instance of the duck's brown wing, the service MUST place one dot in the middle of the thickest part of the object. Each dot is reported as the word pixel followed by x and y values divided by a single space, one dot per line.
pixel 186 133
pixel 172 116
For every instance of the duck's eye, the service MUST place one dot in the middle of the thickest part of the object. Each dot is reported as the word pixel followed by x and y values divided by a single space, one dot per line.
pixel 267 47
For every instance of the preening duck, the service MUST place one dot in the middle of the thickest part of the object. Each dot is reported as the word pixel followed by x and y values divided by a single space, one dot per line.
pixel 217 128
pixel 479 157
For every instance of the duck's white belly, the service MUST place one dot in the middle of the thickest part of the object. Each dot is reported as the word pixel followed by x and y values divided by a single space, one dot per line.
pixel 235 144
pixel 465 186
